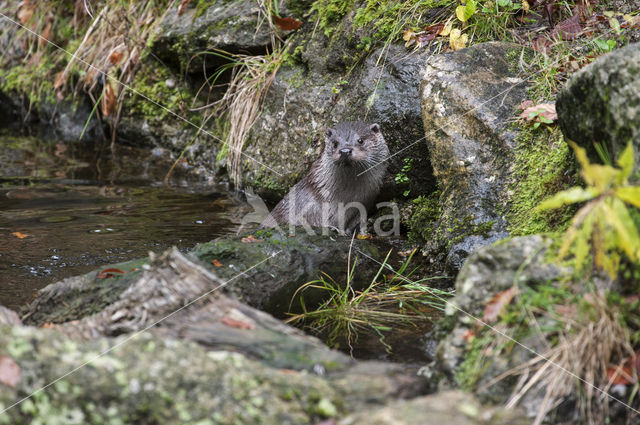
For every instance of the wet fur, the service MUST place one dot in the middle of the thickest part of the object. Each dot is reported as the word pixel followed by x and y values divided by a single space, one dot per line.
pixel 333 179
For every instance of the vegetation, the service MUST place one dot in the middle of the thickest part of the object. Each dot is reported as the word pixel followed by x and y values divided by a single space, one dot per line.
pixel 389 302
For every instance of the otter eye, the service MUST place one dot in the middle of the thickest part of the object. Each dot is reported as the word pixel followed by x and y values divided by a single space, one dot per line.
pixel 360 141
pixel 335 144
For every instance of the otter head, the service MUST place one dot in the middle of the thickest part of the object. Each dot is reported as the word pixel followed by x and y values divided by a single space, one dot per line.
pixel 353 143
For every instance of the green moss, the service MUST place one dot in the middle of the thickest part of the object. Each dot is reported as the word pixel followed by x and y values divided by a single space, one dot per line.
pixel 150 82
pixel 426 211
pixel 544 166
pixel 266 182
pixel 475 362
pixel 330 12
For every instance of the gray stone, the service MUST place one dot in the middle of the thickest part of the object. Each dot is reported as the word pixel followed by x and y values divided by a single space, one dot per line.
pixel 468 99
pixel 488 271
pixel 302 102
pixel 451 408
pixel 601 103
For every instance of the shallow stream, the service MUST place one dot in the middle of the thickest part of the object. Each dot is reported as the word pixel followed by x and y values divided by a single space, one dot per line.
pixel 67 210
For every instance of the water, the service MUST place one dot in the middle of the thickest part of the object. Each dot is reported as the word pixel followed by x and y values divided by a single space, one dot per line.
pixel 67 210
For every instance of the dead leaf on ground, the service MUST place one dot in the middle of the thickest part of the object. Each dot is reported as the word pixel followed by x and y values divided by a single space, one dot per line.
pixel 9 371
pixel 251 239
pixel 19 235
pixel 109 101
pixel 216 263
pixel 116 56
pixel 110 272
pixel 240 324
pixel 542 112
pixel 569 29
pixel 183 6
pixel 625 373
pixel 497 304
pixel 46 32
pixel 457 40
pixel 286 24
pixel 25 11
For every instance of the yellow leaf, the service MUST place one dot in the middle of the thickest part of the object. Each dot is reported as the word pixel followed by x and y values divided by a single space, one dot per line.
pixel 602 176
pixel 630 194
pixel 460 14
pixel 625 162
pixel 567 197
pixel 446 30
pixel 581 156
pixel 457 40
pixel 408 35
pixel 619 218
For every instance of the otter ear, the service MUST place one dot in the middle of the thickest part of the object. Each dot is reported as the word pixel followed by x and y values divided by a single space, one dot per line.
pixel 328 133
pixel 375 128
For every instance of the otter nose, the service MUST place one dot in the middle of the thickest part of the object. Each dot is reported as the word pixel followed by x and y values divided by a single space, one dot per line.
pixel 346 152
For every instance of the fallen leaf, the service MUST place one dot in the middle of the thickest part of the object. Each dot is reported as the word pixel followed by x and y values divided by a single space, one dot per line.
pixel 468 335
pixel 216 263
pixel 46 32
pixel 526 103
pixel 19 235
pixel 183 5
pixel 109 102
pixel 569 29
pixel 234 323
pixel 116 56
pixel 25 11
pixel 626 373
pixel 363 236
pixel 541 43
pixel 446 29
pixel 542 112
pixel 251 239
pixel 497 304
pixel 9 371
pixel 107 273
pixel 286 24
pixel 457 40
pixel 408 35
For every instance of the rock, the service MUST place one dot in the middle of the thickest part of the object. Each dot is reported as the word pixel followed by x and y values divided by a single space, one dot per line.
pixel 145 379
pixel 451 408
pixel 184 352
pixel 488 271
pixel 302 101
pixel 236 26
pixel 253 276
pixel 601 103
pixel 9 317
pixel 468 99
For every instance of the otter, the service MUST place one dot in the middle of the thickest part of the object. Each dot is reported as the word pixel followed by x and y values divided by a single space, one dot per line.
pixel 341 185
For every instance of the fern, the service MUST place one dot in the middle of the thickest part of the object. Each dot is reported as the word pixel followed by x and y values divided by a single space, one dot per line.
pixel 603 226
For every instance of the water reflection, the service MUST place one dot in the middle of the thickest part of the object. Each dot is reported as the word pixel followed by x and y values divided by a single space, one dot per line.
pixel 65 211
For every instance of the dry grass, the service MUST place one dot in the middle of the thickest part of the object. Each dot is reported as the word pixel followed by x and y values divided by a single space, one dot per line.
pixel 576 367
pixel 242 103
pixel 113 36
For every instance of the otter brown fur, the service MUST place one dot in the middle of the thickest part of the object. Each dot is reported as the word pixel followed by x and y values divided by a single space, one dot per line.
pixel 350 170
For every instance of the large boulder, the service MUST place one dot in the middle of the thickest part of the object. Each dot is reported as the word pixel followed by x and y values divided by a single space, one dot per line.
pixel 304 99
pixel 601 103
pixel 469 98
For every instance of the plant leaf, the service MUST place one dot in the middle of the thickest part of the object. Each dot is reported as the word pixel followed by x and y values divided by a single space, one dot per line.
pixel 625 162
pixel 618 216
pixel 567 197
pixel 497 304
pixel 630 194
pixel 457 40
